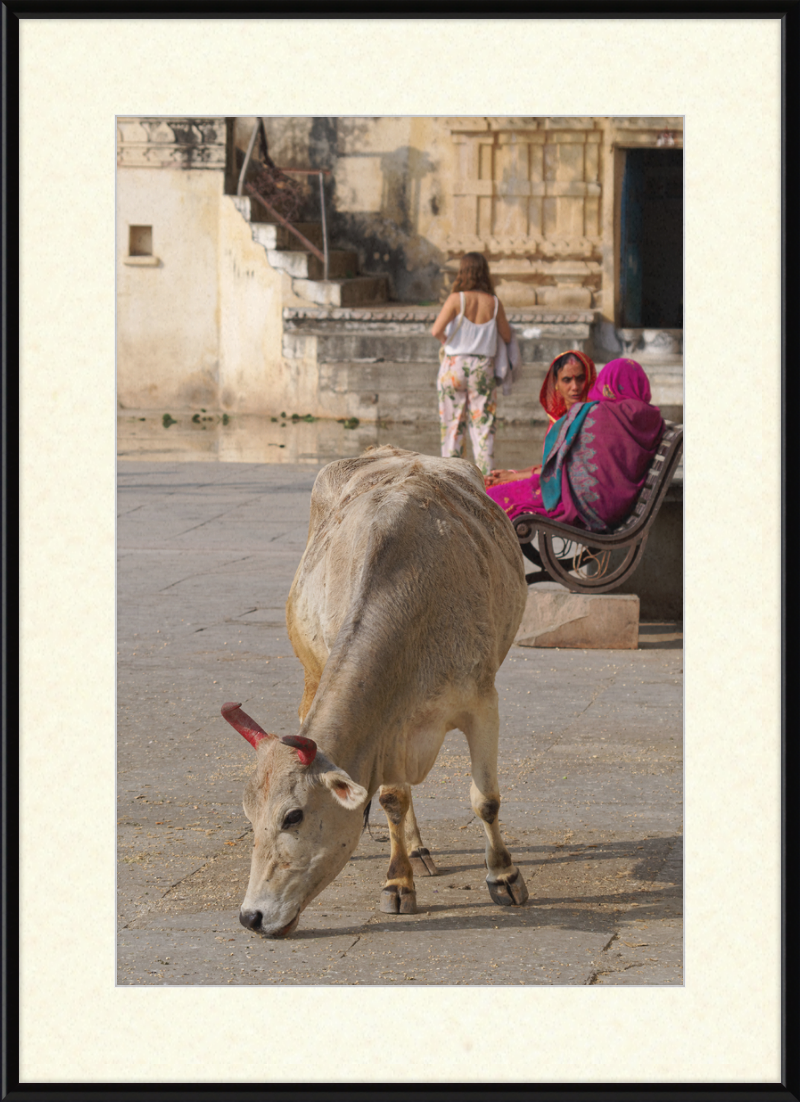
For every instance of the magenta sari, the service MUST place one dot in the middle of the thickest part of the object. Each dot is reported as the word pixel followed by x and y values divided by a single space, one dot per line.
pixel 596 457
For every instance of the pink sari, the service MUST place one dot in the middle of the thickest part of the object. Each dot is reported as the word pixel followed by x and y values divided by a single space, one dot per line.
pixel 596 458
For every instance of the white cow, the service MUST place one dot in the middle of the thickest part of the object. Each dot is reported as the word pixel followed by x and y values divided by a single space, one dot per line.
pixel 403 607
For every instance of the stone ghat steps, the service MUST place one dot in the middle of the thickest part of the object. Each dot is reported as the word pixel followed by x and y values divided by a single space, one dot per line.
pixel 380 362
pixel 345 287
pixel 341 345
pixel 342 263
pixel 406 391
pixel 272 235
pixel 357 291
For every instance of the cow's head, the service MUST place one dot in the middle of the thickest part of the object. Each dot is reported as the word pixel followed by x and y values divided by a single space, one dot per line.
pixel 306 823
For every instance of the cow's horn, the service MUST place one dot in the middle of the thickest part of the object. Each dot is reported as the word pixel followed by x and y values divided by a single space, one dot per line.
pixel 247 727
pixel 306 747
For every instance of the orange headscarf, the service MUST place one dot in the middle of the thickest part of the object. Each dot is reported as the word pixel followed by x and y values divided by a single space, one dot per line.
pixel 550 397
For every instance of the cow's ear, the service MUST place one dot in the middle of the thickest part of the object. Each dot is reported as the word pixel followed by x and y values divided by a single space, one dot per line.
pixel 344 789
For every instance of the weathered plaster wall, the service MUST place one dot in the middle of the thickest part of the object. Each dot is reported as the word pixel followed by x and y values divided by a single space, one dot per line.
pixel 539 196
pixel 201 325
pixel 389 198
pixel 254 375
pixel 168 313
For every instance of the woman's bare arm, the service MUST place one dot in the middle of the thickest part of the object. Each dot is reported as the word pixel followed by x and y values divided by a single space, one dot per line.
pixel 503 328
pixel 446 314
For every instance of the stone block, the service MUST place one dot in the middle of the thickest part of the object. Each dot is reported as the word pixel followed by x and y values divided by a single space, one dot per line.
pixel 556 617
pixel 513 292
pixel 348 292
pixel 564 296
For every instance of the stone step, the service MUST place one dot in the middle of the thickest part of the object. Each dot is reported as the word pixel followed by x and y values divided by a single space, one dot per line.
pixel 272 235
pixel 406 391
pixel 347 345
pixel 379 376
pixel 285 252
pixel 389 322
pixel 360 291
pixel 342 264
pixel 260 218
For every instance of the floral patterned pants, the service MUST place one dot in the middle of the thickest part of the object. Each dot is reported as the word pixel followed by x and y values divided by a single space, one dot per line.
pixel 467 392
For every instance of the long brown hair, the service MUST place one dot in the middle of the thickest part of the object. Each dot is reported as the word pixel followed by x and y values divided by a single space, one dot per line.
pixel 473 275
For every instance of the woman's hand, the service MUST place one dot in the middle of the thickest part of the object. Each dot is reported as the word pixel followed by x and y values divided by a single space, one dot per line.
pixel 497 478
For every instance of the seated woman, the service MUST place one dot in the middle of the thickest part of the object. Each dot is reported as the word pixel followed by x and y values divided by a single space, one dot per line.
pixel 568 380
pixel 596 456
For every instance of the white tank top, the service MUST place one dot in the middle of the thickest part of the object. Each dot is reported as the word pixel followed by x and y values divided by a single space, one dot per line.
pixel 467 338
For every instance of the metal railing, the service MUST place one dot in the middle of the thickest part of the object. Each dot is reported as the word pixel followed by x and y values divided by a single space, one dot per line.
pixel 321 173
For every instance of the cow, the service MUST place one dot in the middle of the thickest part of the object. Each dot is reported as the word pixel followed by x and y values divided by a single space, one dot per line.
pixel 404 605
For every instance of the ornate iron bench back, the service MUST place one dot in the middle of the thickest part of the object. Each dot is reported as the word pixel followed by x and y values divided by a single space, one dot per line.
pixel 630 533
pixel 648 499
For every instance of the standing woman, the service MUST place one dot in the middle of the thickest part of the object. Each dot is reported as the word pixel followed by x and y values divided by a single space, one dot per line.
pixel 468 327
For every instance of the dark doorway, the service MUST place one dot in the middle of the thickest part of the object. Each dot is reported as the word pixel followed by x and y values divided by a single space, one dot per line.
pixel 651 264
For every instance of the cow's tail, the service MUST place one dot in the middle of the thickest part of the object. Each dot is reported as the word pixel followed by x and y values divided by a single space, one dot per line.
pixel 366 818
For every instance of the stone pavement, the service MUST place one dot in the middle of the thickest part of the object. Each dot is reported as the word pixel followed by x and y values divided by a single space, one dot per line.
pixel 590 774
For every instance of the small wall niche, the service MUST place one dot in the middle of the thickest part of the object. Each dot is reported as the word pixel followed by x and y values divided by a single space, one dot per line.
pixel 140 246
pixel 140 241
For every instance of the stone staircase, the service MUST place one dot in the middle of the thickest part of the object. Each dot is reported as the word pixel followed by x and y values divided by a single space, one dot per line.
pixel 285 252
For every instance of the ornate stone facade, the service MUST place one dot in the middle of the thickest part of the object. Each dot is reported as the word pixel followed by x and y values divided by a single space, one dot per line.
pixel 533 195
pixel 527 194
pixel 171 143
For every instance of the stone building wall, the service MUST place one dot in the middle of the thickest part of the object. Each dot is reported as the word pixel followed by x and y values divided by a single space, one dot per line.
pixel 169 182
pixel 539 196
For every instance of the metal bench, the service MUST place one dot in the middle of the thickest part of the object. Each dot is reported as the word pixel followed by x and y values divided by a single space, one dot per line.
pixel 594 562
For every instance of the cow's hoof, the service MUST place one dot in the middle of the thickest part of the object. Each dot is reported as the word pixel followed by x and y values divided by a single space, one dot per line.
pixel 507 893
pixel 422 863
pixel 398 900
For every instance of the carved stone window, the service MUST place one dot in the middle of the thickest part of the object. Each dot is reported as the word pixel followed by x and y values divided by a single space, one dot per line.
pixel 527 193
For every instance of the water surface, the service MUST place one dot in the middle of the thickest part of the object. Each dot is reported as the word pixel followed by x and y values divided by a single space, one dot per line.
pixel 248 438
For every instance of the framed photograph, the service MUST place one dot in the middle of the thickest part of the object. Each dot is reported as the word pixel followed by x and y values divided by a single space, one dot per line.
pixel 642 87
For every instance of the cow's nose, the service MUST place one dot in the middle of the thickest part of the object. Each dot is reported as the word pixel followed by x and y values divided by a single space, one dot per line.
pixel 250 919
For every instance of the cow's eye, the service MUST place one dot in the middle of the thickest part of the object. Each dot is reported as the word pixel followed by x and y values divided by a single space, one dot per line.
pixel 292 818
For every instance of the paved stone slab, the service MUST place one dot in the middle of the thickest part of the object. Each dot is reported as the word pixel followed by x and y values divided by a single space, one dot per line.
pixel 589 764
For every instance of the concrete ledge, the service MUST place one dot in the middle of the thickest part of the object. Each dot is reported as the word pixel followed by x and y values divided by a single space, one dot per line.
pixel 556 617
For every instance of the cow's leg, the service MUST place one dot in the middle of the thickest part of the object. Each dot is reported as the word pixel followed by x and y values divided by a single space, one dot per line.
pixel 398 895
pixel 504 880
pixel 421 861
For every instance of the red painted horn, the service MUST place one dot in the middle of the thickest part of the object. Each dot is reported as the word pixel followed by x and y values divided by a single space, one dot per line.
pixel 247 727
pixel 306 747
